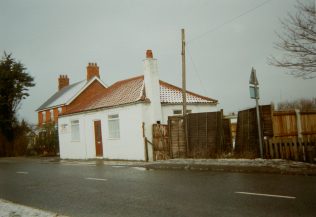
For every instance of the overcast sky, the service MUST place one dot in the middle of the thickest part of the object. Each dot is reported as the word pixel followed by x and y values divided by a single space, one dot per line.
pixel 60 37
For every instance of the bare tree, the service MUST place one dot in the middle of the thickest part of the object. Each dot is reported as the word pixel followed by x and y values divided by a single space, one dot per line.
pixel 301 104
pixel 298 42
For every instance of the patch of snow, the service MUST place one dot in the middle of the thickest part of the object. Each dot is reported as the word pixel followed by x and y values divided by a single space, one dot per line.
pixel 8 209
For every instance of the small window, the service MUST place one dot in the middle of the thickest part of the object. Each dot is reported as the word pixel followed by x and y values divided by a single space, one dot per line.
pixel 59 110
pixel 114 126
pixel 75 134
pixel 44 116
pixel 177 112
pixel 63 128
pixel 51 114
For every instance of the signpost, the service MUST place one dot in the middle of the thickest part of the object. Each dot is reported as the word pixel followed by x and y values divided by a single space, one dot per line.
pixel 254 94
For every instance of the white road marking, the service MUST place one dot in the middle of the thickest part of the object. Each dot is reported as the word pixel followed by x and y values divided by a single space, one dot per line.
pixel 118 166
pixel 96 179
pixel 22 172
pixel 266 195
pixel 139 168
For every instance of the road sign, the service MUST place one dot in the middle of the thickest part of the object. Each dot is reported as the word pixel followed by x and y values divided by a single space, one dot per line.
pixel 254 92
pixel 253 78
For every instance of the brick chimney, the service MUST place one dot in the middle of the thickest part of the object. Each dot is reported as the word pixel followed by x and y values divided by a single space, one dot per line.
pixel 92 70
pixel 149 54
pixel 63 81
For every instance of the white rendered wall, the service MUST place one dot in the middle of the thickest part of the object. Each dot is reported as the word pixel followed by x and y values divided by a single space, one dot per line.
pixel 130 145
pixel 167 110
pixel 152 88
pixel 68 148
pixel 148 127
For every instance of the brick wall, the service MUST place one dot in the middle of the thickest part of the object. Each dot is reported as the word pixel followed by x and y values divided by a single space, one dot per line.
pixel 86 96
pixel 40 118
pixel 63 109
pixel 55 112
pixel 48 116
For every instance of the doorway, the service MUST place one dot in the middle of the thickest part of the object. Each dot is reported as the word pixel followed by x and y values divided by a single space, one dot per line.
pixel 98 139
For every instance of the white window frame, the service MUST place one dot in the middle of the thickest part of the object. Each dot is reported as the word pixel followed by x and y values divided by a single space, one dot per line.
pixel 44 116
pixel 114 126
pixel 75 125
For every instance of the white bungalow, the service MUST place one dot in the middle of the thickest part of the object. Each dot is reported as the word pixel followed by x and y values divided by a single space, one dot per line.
pixel 113 125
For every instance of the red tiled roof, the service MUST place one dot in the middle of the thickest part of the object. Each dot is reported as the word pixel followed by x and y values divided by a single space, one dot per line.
pixel 171 94
pixel 132 90
pixel 121 92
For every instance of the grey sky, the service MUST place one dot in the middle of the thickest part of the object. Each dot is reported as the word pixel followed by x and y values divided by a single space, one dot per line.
pixel 61 37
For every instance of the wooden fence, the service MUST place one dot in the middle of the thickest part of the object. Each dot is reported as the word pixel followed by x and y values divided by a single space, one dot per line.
pixel 209 136
pixel 294 136
pixel 177 139
pixel 287 134
pixel 294 123
pixel 206 135
pixel 161 148
pixel 291 149
pixel 247 142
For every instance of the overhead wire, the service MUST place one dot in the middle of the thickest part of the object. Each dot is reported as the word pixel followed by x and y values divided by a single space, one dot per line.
pixel 229 21
pixel 196 72
pixel 213 30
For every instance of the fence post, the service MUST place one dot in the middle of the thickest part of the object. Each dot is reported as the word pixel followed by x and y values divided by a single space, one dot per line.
pixel 299 132
pixel 298 123
pixel 146 150
pixel 145 142
pixel 186 134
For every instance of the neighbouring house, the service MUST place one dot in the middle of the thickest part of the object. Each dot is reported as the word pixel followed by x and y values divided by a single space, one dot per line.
pixel 70 95
pixel 114 122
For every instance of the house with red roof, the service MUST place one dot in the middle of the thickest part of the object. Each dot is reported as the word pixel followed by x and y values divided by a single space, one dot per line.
pixel 71 95
pixel 113 122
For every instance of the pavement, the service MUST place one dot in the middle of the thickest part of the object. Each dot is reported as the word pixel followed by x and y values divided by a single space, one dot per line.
pixel 274 166
pixel 9 209
pixel 270 166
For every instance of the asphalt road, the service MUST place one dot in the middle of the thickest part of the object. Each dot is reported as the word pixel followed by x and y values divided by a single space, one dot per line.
pixel 89 189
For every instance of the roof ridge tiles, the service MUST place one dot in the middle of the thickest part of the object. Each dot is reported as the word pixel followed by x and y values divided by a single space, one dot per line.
pixel 188 92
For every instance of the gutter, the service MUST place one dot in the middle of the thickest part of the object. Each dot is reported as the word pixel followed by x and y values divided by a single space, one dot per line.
pixel 104 108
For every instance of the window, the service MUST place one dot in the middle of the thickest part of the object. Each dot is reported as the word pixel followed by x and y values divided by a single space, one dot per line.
pixel 75 134
pixel 114 126
pixel 51 115
pixel 59 110
pixel 179 112
pixel 44 116
pixel 63 128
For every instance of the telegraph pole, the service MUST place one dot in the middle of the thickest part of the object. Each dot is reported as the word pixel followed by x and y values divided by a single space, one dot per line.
pixel 184 98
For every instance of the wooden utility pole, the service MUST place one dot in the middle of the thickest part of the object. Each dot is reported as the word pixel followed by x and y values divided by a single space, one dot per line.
pixel 184 98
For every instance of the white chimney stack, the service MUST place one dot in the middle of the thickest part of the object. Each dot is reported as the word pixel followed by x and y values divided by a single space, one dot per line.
pixel 152 87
